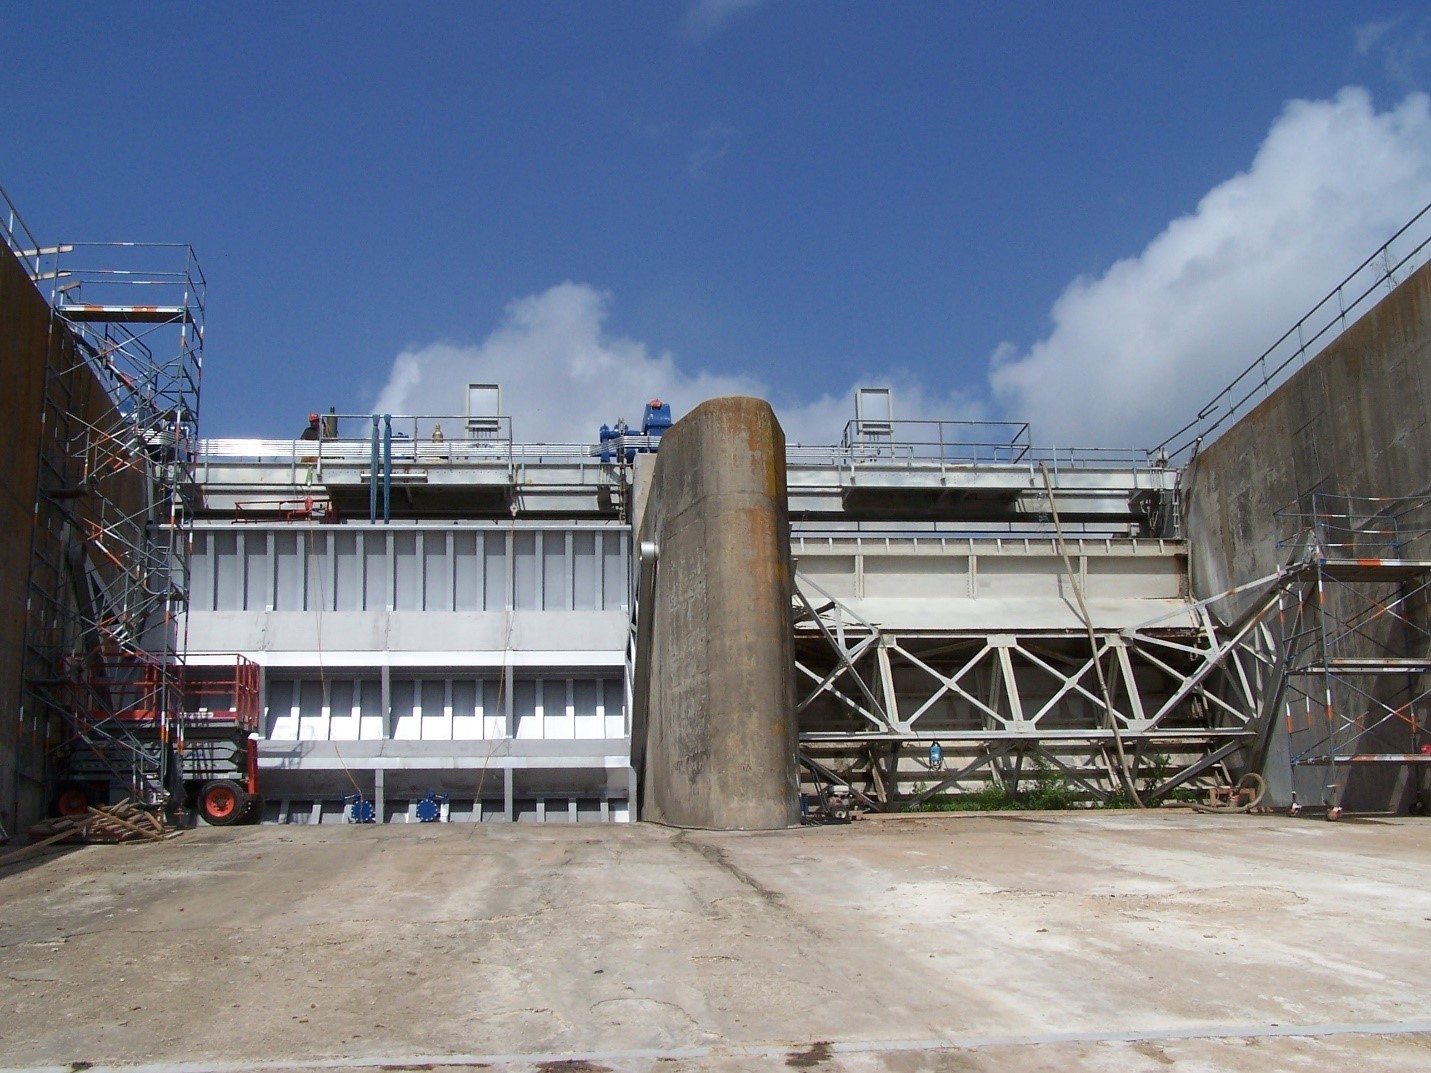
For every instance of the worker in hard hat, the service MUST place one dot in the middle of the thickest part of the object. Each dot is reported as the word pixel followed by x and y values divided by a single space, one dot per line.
pixel 313 432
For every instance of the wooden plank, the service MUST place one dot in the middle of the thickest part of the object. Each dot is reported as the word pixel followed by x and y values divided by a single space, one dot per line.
pixel 110 818
pixel 27 850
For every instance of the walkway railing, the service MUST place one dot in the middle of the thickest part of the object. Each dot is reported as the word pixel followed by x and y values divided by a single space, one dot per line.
pixel 407 450
pixel 1396 259
pixel 950 441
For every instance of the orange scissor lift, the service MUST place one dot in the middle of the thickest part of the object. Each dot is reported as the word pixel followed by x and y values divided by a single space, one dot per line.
pixel 144 729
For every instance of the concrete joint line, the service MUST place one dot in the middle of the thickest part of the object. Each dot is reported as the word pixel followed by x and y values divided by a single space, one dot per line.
pixel 753 1050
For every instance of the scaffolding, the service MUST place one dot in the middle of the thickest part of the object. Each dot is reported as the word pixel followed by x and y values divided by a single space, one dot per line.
pixel 1356 638
pixel 109 571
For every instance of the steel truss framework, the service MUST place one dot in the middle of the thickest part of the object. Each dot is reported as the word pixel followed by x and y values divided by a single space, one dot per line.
pixel 1356 636
pixel 109 559
pixel 1181 700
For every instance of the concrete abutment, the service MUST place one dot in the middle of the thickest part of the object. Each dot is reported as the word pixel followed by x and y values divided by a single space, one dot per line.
pixel 715 696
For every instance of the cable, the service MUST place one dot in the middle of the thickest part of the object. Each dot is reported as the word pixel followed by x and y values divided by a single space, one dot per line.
pixel 1123 768
pixel 1250 782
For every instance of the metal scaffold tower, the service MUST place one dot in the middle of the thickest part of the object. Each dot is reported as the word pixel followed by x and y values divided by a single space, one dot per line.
pixel 1355 615
pixel 109 573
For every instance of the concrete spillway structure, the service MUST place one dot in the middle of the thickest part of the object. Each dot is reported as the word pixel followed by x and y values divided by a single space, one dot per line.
pixel 715 693
pixel 845 607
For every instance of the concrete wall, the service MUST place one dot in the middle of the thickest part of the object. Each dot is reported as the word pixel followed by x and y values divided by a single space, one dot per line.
pixel 1356 421
pixel 24 336
pixel 714 730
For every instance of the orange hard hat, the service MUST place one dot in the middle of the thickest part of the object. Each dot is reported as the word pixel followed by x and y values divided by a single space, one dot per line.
pixel 312 417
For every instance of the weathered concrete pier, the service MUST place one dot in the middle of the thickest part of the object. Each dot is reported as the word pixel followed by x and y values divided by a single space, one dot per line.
pixel 716 692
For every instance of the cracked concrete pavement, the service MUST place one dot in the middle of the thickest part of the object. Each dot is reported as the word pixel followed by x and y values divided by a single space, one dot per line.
pixel 1009 941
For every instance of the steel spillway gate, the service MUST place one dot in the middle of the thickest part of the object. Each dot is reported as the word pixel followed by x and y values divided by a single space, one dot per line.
pixel 1177 698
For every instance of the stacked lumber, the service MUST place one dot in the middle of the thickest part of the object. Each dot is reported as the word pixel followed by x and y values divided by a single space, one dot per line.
pixel 124 822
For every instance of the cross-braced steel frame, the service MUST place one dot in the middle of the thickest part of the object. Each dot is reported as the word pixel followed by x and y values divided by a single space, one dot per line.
pixel 109 572
pixel 1181 698
pixel 1356 636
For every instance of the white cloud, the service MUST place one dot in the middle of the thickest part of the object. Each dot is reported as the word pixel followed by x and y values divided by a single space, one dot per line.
pixel 563 376
pixel 1132 355
pixel 1403 46
pixel 1372 35
pixel 710 145
pixel 705 17
pixel 1135 352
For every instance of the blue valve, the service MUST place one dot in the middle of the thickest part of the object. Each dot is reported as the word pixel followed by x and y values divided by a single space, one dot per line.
pixel 360 809
pixel 429 809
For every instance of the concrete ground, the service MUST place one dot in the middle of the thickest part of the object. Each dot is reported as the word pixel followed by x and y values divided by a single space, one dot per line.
pixel 1005 942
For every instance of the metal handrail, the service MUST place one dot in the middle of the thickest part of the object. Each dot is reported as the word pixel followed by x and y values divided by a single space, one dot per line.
pixel 347 437
pixel 906 455
pixel 1093 458
pixel 14 229
pixel 404 449
pixel 987 441
pixel 1257 381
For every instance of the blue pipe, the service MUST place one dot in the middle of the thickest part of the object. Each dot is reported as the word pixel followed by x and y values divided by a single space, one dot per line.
pixel 373 477
pixel 387 467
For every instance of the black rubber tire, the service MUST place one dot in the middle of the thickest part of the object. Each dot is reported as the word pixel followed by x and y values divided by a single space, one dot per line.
pixel 222 802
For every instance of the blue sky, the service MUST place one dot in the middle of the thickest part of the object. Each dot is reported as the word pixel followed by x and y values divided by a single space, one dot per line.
pixel 598 202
